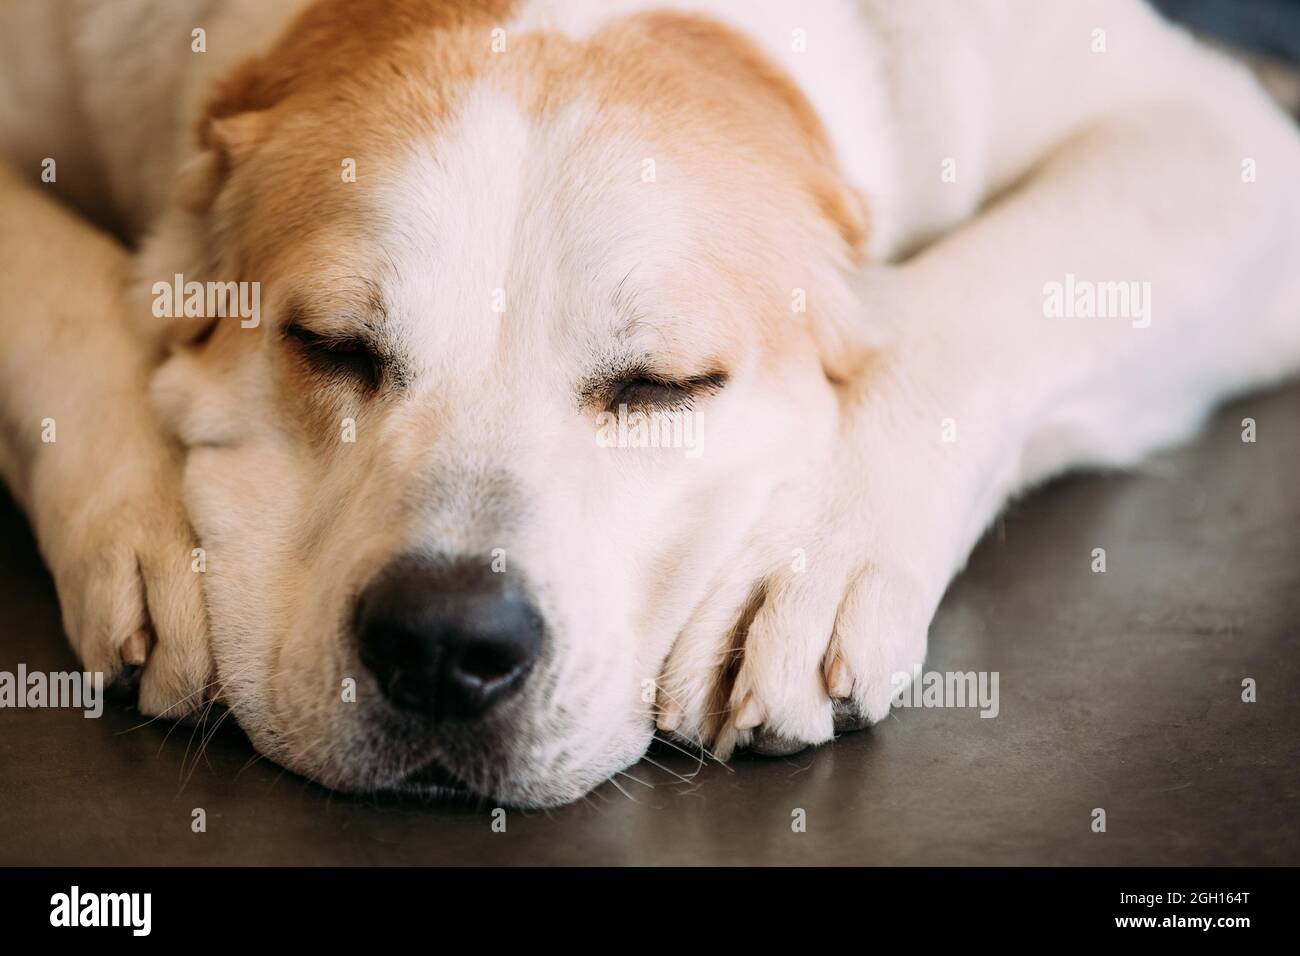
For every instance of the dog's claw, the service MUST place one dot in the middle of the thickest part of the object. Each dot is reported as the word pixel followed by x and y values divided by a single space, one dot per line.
pixel 750 714
pixel 135 649
pixel 839 679
pixel 670 716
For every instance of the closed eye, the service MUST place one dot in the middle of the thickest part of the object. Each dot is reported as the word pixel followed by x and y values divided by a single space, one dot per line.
pixel 641 389
pixel 337 355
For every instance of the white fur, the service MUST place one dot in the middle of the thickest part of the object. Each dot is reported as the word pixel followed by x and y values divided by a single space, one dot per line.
pixel 1114 166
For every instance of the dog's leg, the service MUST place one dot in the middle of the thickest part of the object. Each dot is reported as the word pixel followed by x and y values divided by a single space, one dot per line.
pixel 81 451
pixel 988 388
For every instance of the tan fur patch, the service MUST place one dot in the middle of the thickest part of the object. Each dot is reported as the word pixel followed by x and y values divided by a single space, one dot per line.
pixel 335 41
pixel 724 78
pixel 388 72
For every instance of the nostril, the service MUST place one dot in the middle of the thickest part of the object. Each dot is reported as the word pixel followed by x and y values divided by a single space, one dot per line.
pixel 489 663
pixel 446 641
pixel 486 662
pixel 471 682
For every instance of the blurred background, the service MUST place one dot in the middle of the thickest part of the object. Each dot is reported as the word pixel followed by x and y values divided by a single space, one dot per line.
pixel 1267 30
pixel 1267 27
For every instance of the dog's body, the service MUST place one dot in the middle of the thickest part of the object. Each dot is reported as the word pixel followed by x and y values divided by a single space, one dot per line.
pixel 727 200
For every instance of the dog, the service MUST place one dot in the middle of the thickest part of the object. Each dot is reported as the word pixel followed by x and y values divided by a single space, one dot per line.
pixel 398 499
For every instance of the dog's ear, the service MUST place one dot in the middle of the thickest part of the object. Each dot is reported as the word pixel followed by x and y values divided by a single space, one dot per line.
pixel 845 335
pixel 190 236
pixel 846 208
pixel 186 238
pixel 233 123
pixel 237 116
pixel 224 144
pixel 843 332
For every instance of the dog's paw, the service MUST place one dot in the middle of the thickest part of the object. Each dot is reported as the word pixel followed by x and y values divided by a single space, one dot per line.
pixel 812 629
pixel 805 654
pixel 122 556
pixel 805 631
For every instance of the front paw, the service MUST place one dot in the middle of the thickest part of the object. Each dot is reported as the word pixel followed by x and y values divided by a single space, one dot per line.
pixel 811 650
pixel 806 632
pixel 122 556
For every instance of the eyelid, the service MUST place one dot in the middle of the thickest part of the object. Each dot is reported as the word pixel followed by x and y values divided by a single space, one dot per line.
pixel 308 336
pixel 678 391
pixel 339 354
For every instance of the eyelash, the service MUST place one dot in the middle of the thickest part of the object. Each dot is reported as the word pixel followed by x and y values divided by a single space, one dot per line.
pixel 356 359
pixel 338 356
pixel 643 390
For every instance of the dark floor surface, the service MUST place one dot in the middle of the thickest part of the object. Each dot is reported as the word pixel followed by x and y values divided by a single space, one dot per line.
pixel 1119 691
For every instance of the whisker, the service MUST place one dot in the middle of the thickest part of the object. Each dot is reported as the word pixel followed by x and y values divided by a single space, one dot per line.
pixel 624 773
pixel 699 741
pixel 622 791
pixel 671 772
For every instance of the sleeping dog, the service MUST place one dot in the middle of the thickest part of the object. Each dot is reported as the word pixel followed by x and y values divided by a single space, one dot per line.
pixel 866 268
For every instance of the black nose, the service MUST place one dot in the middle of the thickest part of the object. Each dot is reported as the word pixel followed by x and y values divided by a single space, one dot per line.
pixel 447 640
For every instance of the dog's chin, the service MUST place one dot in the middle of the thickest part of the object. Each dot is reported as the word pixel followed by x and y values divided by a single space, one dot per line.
pixel 435 780
pixel 431 778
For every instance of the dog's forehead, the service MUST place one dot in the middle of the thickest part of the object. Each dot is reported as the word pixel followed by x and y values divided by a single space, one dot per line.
pixel 560 230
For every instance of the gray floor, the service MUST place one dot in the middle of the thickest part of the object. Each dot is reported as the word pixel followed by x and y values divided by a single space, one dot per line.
pixel 1119 690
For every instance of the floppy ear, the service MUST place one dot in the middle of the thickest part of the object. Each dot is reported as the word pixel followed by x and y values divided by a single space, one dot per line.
pixel 844 335
pixel 226 143
pixel 837 318
pixel 840 327
pixel 186 239
pixel 234 121
pixel 845 206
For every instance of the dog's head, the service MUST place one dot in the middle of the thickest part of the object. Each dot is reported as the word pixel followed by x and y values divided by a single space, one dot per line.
pixel 544 323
